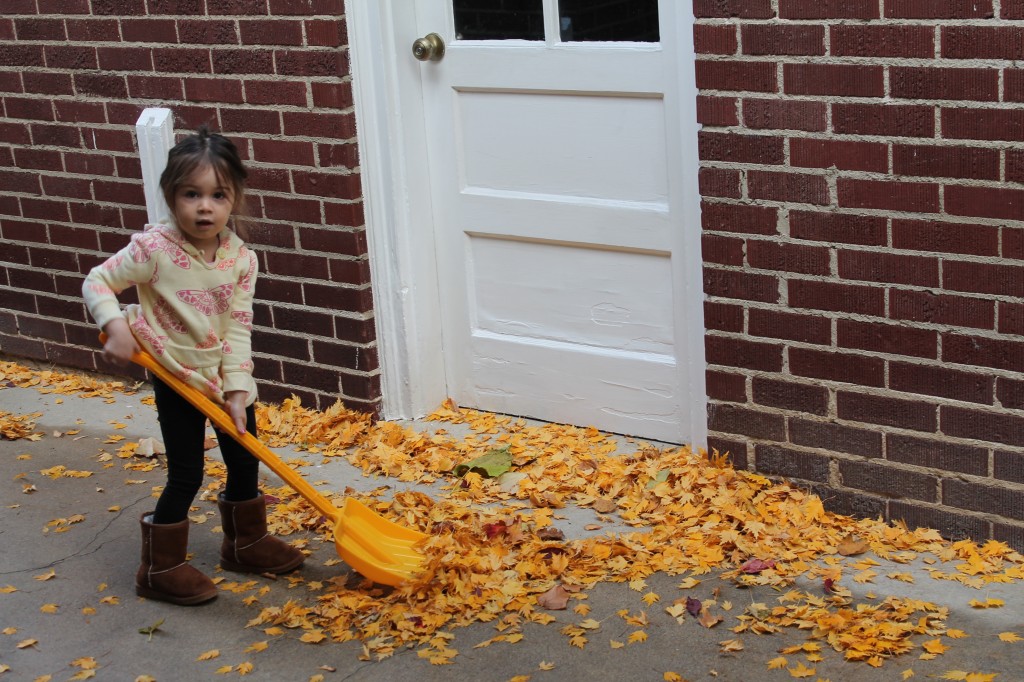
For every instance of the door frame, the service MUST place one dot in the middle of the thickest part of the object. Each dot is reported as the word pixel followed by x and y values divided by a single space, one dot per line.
pixel 387 92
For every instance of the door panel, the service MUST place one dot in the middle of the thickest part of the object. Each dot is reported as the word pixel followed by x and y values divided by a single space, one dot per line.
pixel 554 172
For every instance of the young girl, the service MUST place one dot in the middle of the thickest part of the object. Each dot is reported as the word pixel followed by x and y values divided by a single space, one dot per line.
pixel 195 280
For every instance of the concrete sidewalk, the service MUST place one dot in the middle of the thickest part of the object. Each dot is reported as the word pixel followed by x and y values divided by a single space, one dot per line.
pixel 70 548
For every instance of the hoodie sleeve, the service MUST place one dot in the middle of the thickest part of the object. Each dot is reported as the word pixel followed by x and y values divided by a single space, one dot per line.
pixel 129 266
pixel 237 366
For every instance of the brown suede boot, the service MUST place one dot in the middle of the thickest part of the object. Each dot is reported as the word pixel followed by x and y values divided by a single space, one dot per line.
pixel 165 575
pixel 247 547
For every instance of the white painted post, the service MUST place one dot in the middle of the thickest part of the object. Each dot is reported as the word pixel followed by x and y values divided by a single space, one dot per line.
pixel 155 130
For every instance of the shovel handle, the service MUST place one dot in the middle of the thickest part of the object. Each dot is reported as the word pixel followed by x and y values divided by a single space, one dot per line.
pixel 223 421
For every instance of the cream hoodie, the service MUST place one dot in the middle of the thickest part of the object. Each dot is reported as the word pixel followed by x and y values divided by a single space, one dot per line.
pixel 194 317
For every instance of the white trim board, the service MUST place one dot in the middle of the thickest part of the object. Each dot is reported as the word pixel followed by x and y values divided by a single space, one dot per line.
pixel 385 84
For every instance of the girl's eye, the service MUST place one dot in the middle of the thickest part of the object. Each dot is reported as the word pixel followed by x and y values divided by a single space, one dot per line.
pixel 191 194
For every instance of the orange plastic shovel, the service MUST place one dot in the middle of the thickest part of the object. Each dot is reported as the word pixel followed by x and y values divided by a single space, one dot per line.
pixel 381 550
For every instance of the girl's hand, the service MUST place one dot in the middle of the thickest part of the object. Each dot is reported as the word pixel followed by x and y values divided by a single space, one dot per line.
pixel 121 344
pixel 234 405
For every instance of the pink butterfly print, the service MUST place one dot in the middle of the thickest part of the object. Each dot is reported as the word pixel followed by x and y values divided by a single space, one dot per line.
pixel 213 385
pixel 185 373
pixel 225 348
pixel 226 264
pixel 112 262
pixel 246 280
pixel 149 243
pixel 147 334
pixel 167 318
pixel 210 341
pixel 243 318
pixel 101 289
pixel 136 250
pixel 247 366
pixel 208 301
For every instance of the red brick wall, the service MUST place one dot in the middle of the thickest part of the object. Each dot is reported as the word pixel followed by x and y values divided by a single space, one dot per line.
pixel 862 168
pixel 274 76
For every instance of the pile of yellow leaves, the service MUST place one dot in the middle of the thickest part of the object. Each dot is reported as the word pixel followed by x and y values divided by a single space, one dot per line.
pixel 51 381
pixel 15 426
pixel 491 557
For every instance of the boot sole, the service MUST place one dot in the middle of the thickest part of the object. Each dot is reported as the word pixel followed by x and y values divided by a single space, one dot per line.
pixel 193 600
pixel 228 565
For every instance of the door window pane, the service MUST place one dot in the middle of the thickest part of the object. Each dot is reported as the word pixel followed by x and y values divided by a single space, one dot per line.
pixel 499 19
pixel 618 20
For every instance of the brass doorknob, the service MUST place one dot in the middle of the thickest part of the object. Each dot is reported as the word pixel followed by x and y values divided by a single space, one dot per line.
pixel 429 48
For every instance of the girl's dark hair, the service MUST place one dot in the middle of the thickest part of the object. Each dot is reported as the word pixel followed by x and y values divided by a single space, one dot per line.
pixel 201 148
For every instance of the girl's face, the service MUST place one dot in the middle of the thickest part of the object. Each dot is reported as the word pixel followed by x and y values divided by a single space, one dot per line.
pixel 202 207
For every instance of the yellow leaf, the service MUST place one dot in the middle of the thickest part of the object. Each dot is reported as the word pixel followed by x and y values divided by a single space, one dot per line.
pixel 615 644
pixel 907 674
pixel 1010 637
pixel 987 604
pixel 209 655
pixel 224 669
pixel 689 583
pixel 520 678
pixel 672 677
pixel 935 646
pixel 112 600
pixel 26 643
pixel 83 675
pixel 778 662
pixel 8 589
pixel 88 611
pixel 4 668
pixel 313 637
pixel 638 636
pixel 590 624
pixel 544 665
pixel 8 631
pixel 953 633
pixel 258 646
pixel 730 645
pixel 244 668
pixel 48 608
pixel 651 598
pixel 980 677
pixel 46 576
pixel 800 671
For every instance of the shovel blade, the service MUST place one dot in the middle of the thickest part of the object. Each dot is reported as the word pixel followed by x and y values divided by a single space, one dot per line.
pixel 381 550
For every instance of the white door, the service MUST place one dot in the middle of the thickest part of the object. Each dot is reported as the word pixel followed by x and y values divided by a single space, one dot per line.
pixel 563 183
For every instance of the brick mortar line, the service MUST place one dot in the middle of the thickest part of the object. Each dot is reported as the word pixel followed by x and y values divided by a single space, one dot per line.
pixel 835 385
pixel 868 212
pixel 994 22
pixel 885 250
pixel 829 136
pixel 858 175
pixel 990 334
pixel 833 316
pixel 834 455
pixel 941 474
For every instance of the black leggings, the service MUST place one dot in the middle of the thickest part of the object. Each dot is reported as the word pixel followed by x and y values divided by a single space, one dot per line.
pixel 184 429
